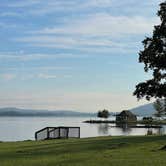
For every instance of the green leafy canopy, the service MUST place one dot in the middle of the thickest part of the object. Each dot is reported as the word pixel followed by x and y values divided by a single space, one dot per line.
pixel 154 58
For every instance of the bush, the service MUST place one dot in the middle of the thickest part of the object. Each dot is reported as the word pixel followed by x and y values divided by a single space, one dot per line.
pixel 148 119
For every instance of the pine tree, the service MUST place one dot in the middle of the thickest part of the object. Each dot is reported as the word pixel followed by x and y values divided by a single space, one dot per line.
pixel 154 58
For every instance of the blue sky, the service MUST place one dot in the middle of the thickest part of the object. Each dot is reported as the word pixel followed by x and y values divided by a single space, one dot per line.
pixel 73 54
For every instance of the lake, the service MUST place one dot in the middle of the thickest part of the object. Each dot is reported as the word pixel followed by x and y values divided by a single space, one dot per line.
pixel 24 128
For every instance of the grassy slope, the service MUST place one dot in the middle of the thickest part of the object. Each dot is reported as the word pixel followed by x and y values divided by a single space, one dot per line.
pixel 101 151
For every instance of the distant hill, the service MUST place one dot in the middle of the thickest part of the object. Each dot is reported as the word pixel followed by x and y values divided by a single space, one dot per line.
pixel 42 113
pixel 144 110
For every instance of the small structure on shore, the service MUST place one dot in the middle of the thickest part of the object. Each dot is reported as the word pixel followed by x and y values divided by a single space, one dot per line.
pixel 57 132
pixel 126 116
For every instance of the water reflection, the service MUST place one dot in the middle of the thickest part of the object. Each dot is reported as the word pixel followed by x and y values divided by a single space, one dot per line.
pixel 158 131
pixel 161 131
pixel 132 129
pixel 103 129
pixel 23 128
pixel 125 128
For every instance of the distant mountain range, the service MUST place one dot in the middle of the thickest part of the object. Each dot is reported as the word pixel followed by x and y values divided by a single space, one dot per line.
pixel 144 110
pixel 42 113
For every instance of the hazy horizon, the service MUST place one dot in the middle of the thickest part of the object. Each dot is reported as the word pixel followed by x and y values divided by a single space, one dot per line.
pixel 73 55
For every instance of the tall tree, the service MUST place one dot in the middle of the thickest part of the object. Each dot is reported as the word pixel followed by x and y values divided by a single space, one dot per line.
pixel 154 58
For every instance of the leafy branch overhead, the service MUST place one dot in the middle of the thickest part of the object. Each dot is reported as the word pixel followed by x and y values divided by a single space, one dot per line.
pixel 154 58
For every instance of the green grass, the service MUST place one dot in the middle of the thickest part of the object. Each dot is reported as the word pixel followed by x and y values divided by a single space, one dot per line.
pixel 100 151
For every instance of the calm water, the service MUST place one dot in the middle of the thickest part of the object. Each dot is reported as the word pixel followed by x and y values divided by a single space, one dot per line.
pixel 23 128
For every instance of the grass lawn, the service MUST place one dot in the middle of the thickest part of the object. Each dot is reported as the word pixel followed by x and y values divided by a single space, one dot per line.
pixel 99 151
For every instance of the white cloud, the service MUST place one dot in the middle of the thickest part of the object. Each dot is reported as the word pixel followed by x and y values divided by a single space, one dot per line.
pixel 67 76
pixel 9 14
pixel 88 45
pixel 64 42
pixel 22 56
pixel 36 56
pixel 95 33
pixel 42 7
pixel 46 76
pixel 105 24
pixel 48 68
pixel 7 25
pixel 7 76
pixel 23 76
pixel 20 3
pixel 95 3
pixel 53 76
pixel 26 77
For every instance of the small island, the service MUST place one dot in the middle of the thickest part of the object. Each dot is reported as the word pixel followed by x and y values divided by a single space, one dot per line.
pixel 129 118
